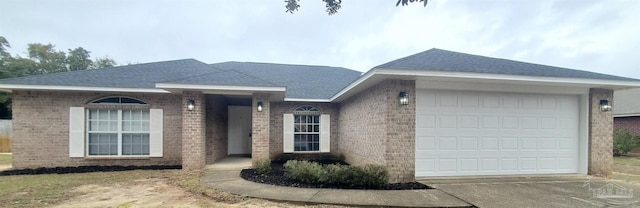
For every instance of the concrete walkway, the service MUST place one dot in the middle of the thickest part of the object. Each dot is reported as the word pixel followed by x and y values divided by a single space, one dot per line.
pixel 225 176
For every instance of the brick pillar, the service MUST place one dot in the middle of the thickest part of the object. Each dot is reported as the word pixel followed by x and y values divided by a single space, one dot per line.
pixel 400 138
pixel 260 127
pixel 193 131
pixel 600 134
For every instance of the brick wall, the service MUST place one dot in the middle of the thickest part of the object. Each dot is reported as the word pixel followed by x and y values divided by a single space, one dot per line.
pixel 280 108
pixel 41 128
pixel 600 134
pixel 260 122
pixel 216 118
pixel 401 123
pixel 375 128
pixel 631 124
pixel 193 131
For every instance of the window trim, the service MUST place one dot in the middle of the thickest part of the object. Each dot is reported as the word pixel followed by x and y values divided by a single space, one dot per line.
pixel 142 103
pixel 307 133
pixel 119 132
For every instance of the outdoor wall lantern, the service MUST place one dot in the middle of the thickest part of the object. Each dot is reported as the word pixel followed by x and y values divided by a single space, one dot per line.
pixel 403 98
pixel 260 106
pixel 191 105
pixel 605 105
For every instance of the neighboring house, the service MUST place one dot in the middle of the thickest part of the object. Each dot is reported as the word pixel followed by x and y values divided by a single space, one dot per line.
pixel 435 113
pixel 626 110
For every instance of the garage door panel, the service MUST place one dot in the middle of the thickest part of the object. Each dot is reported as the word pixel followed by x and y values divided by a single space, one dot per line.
pixel 449 165
pixel 483 133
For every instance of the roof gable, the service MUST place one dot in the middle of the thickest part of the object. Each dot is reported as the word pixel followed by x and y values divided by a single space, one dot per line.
pixel 449 61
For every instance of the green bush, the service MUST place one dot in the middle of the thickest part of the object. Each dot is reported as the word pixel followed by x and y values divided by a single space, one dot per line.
pixel 304 171
pixel 340 175
pixel 623 142
pixel 263 166
pixel 374 175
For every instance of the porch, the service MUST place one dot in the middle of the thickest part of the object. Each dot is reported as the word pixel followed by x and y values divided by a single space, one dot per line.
pixel 224 125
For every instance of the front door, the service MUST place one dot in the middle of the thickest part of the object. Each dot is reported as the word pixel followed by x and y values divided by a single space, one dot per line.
pixel 239 130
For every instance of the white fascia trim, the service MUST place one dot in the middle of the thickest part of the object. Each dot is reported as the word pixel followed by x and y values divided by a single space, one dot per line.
pixel 383 71
pixel 626 115
pixel 353 84
pixel 79 88
pixel 220 87
pixel 307 100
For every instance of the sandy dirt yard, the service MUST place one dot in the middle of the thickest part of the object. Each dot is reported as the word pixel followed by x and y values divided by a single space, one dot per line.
pixel 153 192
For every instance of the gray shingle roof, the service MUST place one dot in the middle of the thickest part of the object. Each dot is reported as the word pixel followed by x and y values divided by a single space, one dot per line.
pixel 308 82
pixel 449 61
pixel 224 77
pixel 130 76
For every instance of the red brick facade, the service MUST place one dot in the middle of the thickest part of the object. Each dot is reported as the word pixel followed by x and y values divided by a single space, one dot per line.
pixel 278 109
pixel 369 127
pixel 260 127
pixel 216 133
pixel 41 128
pixel 375 128
pixel 631 123
pixel 193 131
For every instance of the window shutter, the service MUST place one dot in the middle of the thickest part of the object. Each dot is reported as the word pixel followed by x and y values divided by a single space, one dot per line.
pixel 76 132
pixel 155 132
pixel 325 133
pixel 287 139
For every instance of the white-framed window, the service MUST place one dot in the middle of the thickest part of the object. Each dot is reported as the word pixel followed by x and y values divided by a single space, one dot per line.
pixel 115 127
pixel 306 130
pixel 117 132
pixel 306 133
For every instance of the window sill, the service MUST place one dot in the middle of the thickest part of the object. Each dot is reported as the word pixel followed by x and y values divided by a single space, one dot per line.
pixel 117 157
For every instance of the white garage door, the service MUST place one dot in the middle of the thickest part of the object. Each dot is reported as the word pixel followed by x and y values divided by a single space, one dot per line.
pixel 486 133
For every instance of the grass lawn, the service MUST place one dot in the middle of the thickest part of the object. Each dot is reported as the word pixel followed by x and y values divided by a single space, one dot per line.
pixel 5 159
pixel 49 189
pixel 627 168
pixel 61 190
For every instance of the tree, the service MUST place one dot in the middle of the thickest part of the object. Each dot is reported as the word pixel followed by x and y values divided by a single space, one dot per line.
pixel 4 44
pixel 48 59
pixel 42 59
pixel 104 62
pixel 334 5
pixel 78 59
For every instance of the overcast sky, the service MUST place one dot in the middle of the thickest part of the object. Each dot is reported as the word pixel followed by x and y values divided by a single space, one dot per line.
pixel 596 35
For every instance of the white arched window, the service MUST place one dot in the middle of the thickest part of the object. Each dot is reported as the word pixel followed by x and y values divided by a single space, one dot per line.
pixel 306 130
pixel 111 127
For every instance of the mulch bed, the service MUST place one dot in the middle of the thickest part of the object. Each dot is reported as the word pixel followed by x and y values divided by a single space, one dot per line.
pixel 277 177
pixel 84 169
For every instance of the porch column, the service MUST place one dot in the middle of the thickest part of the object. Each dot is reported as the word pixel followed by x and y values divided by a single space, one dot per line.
pixel 193 131
pixel 600 134
pixel 260 127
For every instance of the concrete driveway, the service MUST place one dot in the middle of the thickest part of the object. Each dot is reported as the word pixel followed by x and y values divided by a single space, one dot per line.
pixel 540 191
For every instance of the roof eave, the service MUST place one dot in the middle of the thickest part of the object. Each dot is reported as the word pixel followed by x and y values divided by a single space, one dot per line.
pixel 12 87
pixel 276 92
pixel 376 75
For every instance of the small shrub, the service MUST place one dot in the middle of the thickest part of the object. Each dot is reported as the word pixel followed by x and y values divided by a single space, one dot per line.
pixel 335 174
pixel 304 171
pixel 623 142
pixel 263 166
pixel 374 175
pixel 338 174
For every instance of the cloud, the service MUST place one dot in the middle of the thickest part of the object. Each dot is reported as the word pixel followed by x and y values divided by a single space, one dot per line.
pixel 598 36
